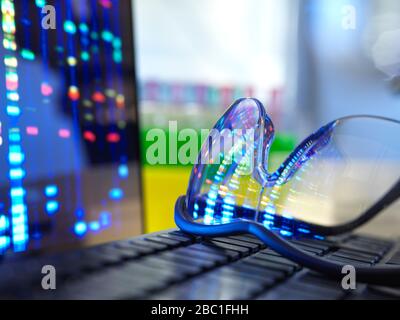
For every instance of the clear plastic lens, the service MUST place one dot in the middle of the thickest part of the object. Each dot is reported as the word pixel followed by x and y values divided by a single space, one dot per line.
pixel 332 178
pixel 228 187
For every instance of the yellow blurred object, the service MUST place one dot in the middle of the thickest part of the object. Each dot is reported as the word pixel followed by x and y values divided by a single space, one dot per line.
pixel 162 186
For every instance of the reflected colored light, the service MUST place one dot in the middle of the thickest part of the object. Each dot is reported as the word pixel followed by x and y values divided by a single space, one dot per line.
pixel 123 171
pixel 4 242
pixel 117 56
pixel 80 228
pixel 27 54
pixel 117 43
pixel 16 174
pixel 46 89
pixel 32 131
pixel 52 207
pixel 13 111
pixel 40 3
pixel 14 137
pixel 105 219
pixel 3 223
pixel 94 226
pixel 116 194
pixel 286 233
pixel 16 158
pixel 83 27
pixel 85 56
pixel 113 137
pixel 120 100
pixel 72 61
pixel 13 96
pixel 106 3
pixel 51 191
pixel 79 213
pixel 73 93
pixel 19 219
pixel 107 36
pixel 18 209
pixel 69 27
pixel 99 97
pixel 17 192
pixel 89 136
pixel 10 62
pixel 64 133
pixel 302 230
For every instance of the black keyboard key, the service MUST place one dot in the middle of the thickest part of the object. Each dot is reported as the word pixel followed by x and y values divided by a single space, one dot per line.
pixel 385 292
pixel 246 274
pixel 216 249
pixel 124 253
pixel 147 270
pixel 310 249
pixel 271 252
pixel 16 277
pixel 269 265
pixel 189 260
pixel 107 255
pixel 300 291
pixel 169 242
pixel 368 246
pixel 283 293
pixel 363 249
pixel 128 245
pixel 185 235
pixel 238 283
pixel 345 253
pixel 172 266
pixel 155 246
pixel 72 269
pixel 247 269
pixel 319 292
pixel 395 259
pixel 316 279
pixel 203 255
pixel 112 284
pixel 246 238
pixel 86 260
pixel 243 251
pixel 372 240
pixel 253 247
pixel 277 259
pixel 327 243
pixel 211 287
pixel 347 260
pixel 182 240
pixel 311 246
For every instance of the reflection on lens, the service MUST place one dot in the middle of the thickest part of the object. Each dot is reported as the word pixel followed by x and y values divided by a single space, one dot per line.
pixel 229 187
pixel 332 178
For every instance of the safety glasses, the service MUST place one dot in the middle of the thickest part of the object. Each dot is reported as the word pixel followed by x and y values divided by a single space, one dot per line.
pixel 336 180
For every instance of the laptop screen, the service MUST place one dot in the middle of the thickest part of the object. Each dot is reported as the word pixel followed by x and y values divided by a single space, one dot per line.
pixel 69 172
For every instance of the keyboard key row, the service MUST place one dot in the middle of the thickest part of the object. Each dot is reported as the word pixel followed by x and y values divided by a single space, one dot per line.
pixel 368 245
pixel 150 264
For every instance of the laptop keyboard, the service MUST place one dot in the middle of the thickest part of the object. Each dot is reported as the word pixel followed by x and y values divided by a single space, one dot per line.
pixel 174 265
